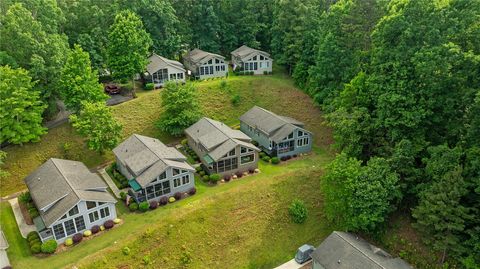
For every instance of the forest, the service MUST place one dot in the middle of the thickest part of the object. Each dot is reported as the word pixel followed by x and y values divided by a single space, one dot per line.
pixel 398 82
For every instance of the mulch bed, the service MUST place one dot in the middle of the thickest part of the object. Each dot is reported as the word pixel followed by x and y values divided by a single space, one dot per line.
pixel 25 214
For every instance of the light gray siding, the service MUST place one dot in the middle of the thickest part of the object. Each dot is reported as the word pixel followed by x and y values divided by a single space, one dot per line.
pixel 172 74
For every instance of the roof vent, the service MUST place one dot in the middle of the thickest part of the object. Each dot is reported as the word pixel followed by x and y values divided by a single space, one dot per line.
pixel 338 261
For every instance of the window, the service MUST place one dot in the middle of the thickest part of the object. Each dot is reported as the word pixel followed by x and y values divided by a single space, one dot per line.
pixel 73 211
pixel 69 227
pixel 91 204
pixel 268 63
pixel 211 69
pixel 232 152
pixel 255 67
pixel 226 165
pixel 245 150
pixel 217 61
pixel 247 158
pixel 64 216
pixel 246 66
pixel 185 179
pixel 59 231
pixel 80 223
pixel 179 75
pixel 255 58
pixel 223 67
pixel 150 193
pixel 176 171
pixel 299 142
pixel 290 136
pixel 93 216
pixel 201 70
pixel 260 64
pixel 251 66
pixel 100 203
pixel 217 68
pixel 104 212
pixel 160 76
pixel 176 182
pixel 210 61
pixel 261 57
pixel 305 141
pixel 173 76
pixel 300 133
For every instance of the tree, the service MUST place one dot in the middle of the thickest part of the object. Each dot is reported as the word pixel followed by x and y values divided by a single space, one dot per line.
pixel 20 107
pixel 128 46
pixel 96 123
pixel 79 82
pixel 440 214
pixel 359 198
pixel 3 156
pixel 181 108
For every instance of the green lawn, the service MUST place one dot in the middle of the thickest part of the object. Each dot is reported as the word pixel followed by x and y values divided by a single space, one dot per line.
pixel 276 93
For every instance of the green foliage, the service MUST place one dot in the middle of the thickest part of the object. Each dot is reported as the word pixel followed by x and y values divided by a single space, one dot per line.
pixel 126 251
pixel 181 108
pixel 36 248
pixel 214 178
pixel 149 86
pixel 298 211
pixel 96 123
pixel 32 235
pixel 78 82
pixel 143 206
pixel 25 198
pixel 69 242
pixel 171 199
pixel 49 246
pixel 359 198
pixel 20 107
pixel 266 159
pixel 275 160
pixel 123 196
pixel 205 178
pixel 133 206
pixel 147 260
pixel 235 99
pixel 128 46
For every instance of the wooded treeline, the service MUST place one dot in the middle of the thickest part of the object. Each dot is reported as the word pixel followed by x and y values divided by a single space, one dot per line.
pixel 399 82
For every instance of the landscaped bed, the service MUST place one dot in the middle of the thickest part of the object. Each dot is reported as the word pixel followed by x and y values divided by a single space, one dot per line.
pixel 120 180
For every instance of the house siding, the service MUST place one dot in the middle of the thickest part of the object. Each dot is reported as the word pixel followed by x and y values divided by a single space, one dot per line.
pixel 262 65
pixel 170 70
pixel 83 211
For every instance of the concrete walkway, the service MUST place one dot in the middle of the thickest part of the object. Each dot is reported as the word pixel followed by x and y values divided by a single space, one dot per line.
pixel 292 264
pixel 4 262
pixel 22 225
pixel 109 182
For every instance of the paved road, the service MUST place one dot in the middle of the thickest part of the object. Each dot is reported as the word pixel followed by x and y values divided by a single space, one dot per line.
pixel 292 264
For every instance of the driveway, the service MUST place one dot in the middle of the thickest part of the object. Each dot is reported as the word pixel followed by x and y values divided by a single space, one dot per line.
pixel 116 99
pixel 292 264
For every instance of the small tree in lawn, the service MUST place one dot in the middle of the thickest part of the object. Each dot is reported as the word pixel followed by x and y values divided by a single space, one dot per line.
pixel 181 108
pixel 96 123
pixel 20 107
pixel 128 47
pixel 79 82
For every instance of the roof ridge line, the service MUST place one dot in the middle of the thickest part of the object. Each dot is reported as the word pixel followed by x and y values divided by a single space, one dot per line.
pixel 154 153
pixel 66 180
pixel 355 247
pixel 275 115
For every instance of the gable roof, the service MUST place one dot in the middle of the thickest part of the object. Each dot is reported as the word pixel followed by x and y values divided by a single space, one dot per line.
pixel 157 62
pixel 197 57
pixel 342 250
pixel 244 53
pixel 58 185
pixel 146 157
pixel 275 126
pixel 217 138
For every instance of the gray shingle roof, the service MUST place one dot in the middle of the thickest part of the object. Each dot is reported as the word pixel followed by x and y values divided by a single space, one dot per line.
pixel 197 57
pixel 275 126
pixel 58 185
pixel 148 157
pixel 157 62
pixel 244 52
pixel 217 138
pixel 342 250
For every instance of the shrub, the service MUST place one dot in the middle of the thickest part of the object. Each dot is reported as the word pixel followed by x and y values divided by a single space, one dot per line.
pixel 35 241
pixel 198 168
pixel 298 211
pixel 25 197
pixel 294 155
pixel 33 212
pixel 270 72
pixel 87 233
pixel 178 195
pixel 201 173
pixel 275 160
pixel 206 178
pixel 102 228
pixel 251 73
pixel 223 84
pixel 77 238
pixel 123 196
pixel 36 248
pixel 133 206
pixel 227 178
pixel 126 251
pixel 163 200
pixel 117 221
pixel 262 154
pixel 235 99
pixel 266 159
pixel 265 72
pixel 49 246
pixel 147 260
pixel 143 206
pixel 153 205
pixel 149 86
pixel 171 199
pixel 31 235
pixel 239 174
pixel 95 229
pixel 289 157
pixel 192 191
pixel 108 224
pixel 251 171
pixel 283 158
pixel 68 242
pixel 214 178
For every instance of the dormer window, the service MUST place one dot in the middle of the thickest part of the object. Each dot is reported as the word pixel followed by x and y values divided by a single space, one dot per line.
pixel 261 57
pixel 210 61
pixel 73 211
pixel 290 136
pixel 232 153
pixel 255 58
pixel 176 171
pixel 91 204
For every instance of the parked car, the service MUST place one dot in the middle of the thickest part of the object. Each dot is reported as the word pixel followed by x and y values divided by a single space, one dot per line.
pixel 112 88
pixel 303 253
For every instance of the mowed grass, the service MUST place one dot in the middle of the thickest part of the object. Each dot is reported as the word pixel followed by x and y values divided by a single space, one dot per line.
pixel 240 224
pixel 276 93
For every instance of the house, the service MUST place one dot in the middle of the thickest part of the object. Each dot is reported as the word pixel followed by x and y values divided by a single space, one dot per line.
pixel 69 198
pixel 342 250
pixel 276 135
pixel 153 170
pixel 221 149
pixel 160 70
pixel 205 65
pixel 248 59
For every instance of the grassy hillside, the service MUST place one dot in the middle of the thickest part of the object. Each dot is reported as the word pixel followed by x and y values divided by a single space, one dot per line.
pixel 276 93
